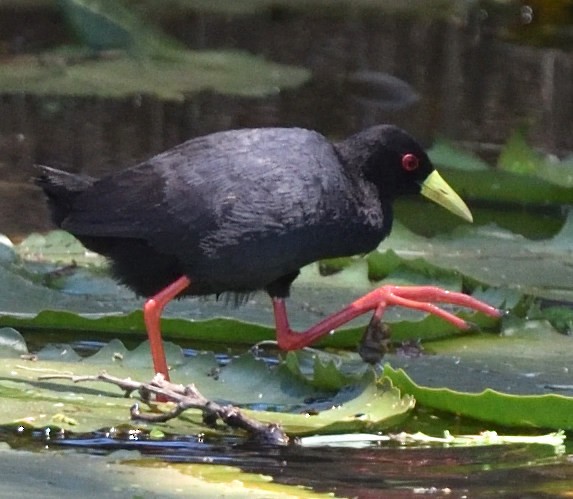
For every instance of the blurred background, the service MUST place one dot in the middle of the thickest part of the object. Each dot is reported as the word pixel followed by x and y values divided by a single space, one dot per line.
pixel 94 86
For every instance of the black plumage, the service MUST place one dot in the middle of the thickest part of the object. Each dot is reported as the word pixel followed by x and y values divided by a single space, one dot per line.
pixel 244 210
pixel 240 210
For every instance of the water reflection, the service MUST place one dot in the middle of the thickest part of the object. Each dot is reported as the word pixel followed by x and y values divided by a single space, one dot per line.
pixel 387 470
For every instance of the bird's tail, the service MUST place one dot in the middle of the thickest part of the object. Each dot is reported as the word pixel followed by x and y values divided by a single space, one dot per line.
pixel 61 188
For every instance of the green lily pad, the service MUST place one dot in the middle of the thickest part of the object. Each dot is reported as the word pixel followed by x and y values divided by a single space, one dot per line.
pixel 520 378
pixel 267 394
pixel 524 177
pixel 147 62
pixel 540 411
pixel 488 255
pixel 91 301
pixel 228 72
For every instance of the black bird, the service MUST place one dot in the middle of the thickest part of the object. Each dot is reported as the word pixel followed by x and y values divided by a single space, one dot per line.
pixel 244 210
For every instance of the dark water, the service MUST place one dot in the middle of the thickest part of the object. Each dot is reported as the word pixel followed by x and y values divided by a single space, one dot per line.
pixel 387 470
pixel 475 73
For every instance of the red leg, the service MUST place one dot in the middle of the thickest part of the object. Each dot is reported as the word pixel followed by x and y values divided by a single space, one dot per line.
pixel 415 297
pixel 152 315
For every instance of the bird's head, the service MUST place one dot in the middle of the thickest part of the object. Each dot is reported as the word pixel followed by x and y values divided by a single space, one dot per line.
pixel 398 165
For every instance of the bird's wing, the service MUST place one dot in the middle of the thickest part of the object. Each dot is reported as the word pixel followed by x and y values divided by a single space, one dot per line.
pixel 245 184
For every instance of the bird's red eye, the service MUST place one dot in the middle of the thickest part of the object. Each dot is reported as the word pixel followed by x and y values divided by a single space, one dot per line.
pixel 410 162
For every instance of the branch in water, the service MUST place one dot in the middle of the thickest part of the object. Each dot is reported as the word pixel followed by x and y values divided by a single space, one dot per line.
pixel 185 397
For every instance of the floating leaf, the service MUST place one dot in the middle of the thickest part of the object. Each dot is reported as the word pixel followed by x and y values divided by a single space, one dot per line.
pixel 150 64
pixel 489 255
pixel 228 72
pixel 130 474
pixel 521 378
pixel 541 411
pixel 269 394
pixel 94 302
pixel 448 155
pixel 524 177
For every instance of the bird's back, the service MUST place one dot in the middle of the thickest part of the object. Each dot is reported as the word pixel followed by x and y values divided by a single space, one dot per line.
pixel 233 210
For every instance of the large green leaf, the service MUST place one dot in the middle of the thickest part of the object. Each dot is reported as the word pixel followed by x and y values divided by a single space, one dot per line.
pixel 520 378
pixel 540 411
pixel 110 307
pixel 524 176
pixel 227 72
pixel 266 393
pixel 148 62
pixel 488 255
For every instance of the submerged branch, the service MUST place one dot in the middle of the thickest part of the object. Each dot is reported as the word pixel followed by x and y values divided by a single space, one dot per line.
pixel 184 397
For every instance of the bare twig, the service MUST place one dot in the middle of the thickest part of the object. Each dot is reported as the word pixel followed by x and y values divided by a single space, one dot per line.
pixel 185 397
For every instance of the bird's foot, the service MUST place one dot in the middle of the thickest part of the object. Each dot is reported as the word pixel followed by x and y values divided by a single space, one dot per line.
pixel 423 298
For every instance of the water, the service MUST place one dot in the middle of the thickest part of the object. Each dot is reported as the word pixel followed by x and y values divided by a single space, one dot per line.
pixel 375 471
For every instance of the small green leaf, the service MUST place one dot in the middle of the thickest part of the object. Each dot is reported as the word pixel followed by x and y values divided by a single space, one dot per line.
pixel 518 157
pixel 561 318
pixel 156 434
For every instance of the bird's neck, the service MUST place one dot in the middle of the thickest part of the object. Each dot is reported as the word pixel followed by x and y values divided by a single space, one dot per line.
pixel 364 162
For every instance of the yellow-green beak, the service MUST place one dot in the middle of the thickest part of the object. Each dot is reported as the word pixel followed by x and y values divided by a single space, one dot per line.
pixel 437 189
